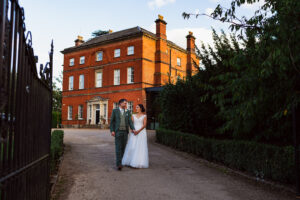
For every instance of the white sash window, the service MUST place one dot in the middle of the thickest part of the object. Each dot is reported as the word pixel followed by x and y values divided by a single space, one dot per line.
pixel 130 75
pixel 81 81
pixel 80 112
pixel 71 62
pixel 99 56
pixel 71 79
pixel 117 53
pixel 99 79
pixel 117 77
pixel 130 50
pixel 70 112
pixel 82 60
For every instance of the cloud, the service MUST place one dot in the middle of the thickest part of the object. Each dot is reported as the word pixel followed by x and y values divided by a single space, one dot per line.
pixel 159 3
pixel 208 11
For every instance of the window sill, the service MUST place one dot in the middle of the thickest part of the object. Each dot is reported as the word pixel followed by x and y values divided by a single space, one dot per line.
pixel 69 119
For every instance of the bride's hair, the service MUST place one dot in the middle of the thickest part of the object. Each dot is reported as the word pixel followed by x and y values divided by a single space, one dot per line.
pixel 142 107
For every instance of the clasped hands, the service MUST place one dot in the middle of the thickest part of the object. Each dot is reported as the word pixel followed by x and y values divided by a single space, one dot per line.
pixel 134 132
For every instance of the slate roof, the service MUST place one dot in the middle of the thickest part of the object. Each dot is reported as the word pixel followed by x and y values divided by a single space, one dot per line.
pixel 115 36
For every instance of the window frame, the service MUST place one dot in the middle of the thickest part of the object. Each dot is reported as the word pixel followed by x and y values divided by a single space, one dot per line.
pixel 129 52
pixel 105 110
pixel 115 105
pixel 80 111
pixel 70 117
pixel 71 78
pixel 130 75
pixel 178 59
pixel 71 64
pixel 130 106
pixel 119 78
pixel 101 85
pixel 80 59
pixel 90 111
pixel 97 53
pixel 116 54
pixel 81 82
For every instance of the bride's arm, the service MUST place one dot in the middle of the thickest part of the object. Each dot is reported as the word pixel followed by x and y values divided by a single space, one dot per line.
pixel 132 120
pixel 144 125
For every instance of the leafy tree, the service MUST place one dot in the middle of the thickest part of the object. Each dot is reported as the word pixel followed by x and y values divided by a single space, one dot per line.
pixel 99 32
pixel 250 76
pixel 57 94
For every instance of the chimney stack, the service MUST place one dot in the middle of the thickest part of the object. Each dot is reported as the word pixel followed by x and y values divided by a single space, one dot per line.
pixel 79 41
pixel 161 27
pixel 190 47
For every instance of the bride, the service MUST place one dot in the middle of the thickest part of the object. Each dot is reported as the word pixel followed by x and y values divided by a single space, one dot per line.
pixel 136 151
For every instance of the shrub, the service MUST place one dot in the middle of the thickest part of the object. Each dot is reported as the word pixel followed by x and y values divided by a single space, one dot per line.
pixel 57 139
pixel 56 119
pixel 261 160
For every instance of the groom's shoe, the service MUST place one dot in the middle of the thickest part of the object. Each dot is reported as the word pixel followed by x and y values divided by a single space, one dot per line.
pixel 120 167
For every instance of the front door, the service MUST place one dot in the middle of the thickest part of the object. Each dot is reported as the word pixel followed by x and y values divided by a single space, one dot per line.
pixel 97 116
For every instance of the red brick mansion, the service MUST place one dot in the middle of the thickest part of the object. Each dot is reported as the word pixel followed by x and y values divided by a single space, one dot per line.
pixel 124 64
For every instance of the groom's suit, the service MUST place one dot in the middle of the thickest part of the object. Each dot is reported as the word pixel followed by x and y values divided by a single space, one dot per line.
pixel 120 123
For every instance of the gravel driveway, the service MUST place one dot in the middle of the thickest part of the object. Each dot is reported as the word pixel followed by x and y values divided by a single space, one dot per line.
pixel 88 173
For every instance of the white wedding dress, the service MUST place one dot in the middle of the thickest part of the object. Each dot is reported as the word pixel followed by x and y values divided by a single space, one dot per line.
pixel 136 151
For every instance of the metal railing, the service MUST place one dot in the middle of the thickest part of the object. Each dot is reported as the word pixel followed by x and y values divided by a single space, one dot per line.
pixel 25 111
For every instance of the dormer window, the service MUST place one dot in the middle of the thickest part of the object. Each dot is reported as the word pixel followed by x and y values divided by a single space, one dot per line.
pixel 82 60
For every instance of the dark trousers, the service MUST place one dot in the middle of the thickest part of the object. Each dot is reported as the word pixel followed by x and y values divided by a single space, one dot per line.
pixel 120 144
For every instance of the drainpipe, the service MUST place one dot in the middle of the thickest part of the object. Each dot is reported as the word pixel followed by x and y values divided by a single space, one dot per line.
pixel 170 66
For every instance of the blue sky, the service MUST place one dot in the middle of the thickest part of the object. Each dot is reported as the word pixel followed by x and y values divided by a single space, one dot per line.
pixel 63 20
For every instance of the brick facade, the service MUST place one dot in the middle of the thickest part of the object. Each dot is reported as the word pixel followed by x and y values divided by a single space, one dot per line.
pixel 150 62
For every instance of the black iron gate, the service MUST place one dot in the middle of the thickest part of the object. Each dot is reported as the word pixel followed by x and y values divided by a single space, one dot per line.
pixel 25 111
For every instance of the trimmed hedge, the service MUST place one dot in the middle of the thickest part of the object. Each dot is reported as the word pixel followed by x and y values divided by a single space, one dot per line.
pixel 56 119
pixel 57 142
pixel 261 160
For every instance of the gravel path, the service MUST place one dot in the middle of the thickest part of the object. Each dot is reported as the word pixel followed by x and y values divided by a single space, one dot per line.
pixel 88 173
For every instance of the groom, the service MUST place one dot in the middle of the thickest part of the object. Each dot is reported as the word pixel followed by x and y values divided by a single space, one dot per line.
pixel 119 128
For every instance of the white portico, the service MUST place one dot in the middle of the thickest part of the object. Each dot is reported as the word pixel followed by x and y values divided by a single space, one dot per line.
pixel 97 111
